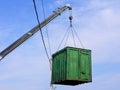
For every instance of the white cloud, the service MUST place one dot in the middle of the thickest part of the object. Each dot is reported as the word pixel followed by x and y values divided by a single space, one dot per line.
pixel 59 2
pixel 99 29
pixel 108 81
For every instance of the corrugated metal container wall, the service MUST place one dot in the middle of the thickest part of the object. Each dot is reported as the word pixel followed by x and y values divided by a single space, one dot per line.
pixel 71 66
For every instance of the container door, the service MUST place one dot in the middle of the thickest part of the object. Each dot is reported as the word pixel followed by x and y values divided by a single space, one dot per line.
pixel 59 64
pixel 85 65
pixel 53 71
pixel 57 68
pixel 63 61
pixel 72 64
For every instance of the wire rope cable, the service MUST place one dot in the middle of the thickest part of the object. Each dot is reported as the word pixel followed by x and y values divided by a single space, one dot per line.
pixel 78 38
pixel 73 32
pixel 73 37
pixel 66 34
pixel 37 16
pixel 48 40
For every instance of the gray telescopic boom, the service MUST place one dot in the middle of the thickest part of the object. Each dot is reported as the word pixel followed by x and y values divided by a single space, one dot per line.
pixel 33 31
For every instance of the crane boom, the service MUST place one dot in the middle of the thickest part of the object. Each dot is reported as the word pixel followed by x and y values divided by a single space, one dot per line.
pixel 33 31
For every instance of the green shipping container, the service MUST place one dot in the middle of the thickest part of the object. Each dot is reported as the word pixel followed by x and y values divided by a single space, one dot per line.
pixel 71 66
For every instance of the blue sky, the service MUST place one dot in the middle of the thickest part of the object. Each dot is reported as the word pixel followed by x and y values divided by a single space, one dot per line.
pixel 27 68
